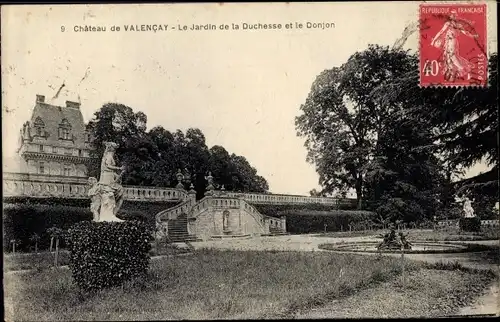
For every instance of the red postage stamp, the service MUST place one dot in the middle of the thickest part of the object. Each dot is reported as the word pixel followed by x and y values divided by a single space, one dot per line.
pixel 453 45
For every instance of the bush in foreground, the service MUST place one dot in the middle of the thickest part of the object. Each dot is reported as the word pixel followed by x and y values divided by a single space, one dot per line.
pixel 106 254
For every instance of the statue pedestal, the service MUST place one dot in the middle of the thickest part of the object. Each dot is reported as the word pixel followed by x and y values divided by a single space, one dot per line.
pixel 108 207
pixel 108 216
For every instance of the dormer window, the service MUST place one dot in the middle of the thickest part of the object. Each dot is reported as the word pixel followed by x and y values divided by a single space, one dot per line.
pixel 87 137
pixel 39 126
pixel 65 130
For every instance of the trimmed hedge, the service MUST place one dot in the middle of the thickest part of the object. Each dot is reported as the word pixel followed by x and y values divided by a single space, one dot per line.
pixel 106 254
pixel 277 210
pixel 314 221
pixel 51 201
pixel 470 224
pixel 21 221
pixel 24 216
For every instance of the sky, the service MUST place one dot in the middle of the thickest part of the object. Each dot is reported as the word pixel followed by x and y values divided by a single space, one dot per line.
pixel 242 88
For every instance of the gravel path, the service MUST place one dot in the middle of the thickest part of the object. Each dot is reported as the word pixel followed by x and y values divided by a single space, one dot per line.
pixel 284 243
pixel 488 303
pixel 428 293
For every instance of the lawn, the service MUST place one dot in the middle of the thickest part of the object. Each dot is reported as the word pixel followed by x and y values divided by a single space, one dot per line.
pixel 41 260
pixel 207 285
pixel 45 259
pixel 219 285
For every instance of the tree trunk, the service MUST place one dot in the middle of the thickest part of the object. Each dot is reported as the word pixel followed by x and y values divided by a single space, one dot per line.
pixel 51 243
pixel 359 194
pixel 36 247
pixel 57 251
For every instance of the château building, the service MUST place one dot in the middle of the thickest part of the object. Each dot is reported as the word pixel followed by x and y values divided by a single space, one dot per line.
pixel 54 142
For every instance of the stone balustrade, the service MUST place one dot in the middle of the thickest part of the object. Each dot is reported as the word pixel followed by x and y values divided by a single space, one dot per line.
pixel 490 223
pixel 153 193
pixel 45 186
pixel 40 186
pixel 276 199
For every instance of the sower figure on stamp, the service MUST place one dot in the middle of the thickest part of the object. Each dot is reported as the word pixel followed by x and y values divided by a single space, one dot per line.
pixel 455 66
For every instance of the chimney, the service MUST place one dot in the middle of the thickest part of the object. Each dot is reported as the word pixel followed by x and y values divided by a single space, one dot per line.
pixel 40 98
pixel 72 104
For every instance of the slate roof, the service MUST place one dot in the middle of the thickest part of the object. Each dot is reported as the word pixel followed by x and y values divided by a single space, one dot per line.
pixel 53 115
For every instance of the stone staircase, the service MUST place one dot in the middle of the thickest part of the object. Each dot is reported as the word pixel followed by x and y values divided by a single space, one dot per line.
pixel 274 231
pixel 177 230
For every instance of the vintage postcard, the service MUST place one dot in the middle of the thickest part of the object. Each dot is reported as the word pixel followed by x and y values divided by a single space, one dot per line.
pixel 277 160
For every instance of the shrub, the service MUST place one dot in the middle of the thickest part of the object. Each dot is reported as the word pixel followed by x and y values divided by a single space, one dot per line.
pixel 470 224
pixel 106 254
pixel 49 201
pixel 302 221
pixel 22 221
pixel 276 210
pixel 23 217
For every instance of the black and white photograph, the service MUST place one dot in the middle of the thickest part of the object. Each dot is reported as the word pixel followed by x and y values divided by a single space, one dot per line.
pixel 236 161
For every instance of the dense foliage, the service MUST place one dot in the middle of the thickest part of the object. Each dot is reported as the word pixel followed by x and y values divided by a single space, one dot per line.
pixel 370 127
pixel 22 221
pixel 464 122
pixel 153 158
pixel 106 254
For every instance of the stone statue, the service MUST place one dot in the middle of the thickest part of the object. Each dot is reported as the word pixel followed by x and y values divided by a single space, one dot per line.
pixel 180 178
pixel 107 194
pixel 404 242
pixel 95 198
pixel 468 210
pixel 210 186
pixel 390 241
pixel 225 220
pixel 210 181
pixel 26 131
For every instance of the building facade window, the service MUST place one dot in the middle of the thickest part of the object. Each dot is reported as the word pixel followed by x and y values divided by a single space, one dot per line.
pixel 39 126
pixel 87 137
pixel 79 153
pixel 65 130
pixel 41 147
pixel 67 170
pixel 41 167
pixel 54 149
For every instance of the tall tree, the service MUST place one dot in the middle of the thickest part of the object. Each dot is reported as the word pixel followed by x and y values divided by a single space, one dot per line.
pixel 341 121
pixel 404 181
pixel 153 158
pixel 118 123
pixel 245 177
